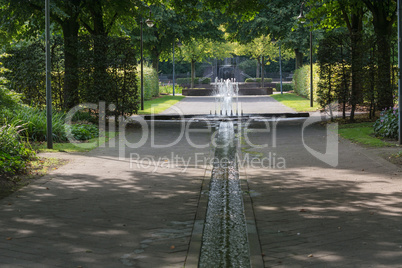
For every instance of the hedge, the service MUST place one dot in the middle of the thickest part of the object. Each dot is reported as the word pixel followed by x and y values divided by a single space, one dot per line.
pixel 151 82
pixel 301 81
pixel 197 80
pixel 285 87
pixel 258 80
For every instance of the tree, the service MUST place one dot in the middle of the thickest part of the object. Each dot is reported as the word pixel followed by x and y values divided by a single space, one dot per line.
pixel 349 14
pixel 27 14
pixel 384 16
pixel 199 50
pixel 264 50
pixel 277 19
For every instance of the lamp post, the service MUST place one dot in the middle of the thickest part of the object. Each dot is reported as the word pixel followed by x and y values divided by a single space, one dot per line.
pixel 49 131
pixel 150 23
pixel 179 45
pixel 302 19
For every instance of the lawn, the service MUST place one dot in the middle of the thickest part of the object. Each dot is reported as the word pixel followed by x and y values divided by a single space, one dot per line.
pixel 362 133
pixel 85 146
pixel 160 104
pixel 296 102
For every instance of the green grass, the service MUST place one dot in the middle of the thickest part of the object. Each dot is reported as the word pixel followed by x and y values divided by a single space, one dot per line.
pixel 160 104
pixel 362 133
pixel 296 102
pixel 74 147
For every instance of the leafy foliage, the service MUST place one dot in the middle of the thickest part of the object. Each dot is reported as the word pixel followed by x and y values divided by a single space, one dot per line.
pixel 34 121
pixel 301 80
pixel 151 82
pixel 14 152
pixel 258 80
pixel 387 125
pixel 84 132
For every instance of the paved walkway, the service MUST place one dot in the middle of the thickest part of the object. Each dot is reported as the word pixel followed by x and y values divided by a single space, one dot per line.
pixel 122 206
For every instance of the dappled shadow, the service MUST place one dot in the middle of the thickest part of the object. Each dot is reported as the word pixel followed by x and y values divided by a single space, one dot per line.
pixel 329 219
pixel 109 208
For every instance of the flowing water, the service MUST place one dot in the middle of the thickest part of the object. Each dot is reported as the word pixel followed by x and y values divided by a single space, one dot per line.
pixel 225 241
pixel 226 97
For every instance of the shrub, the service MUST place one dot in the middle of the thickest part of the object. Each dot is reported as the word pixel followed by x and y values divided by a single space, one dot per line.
pixel 387 125
pixel 14 152
pixel 8 98
pixel 84 132
pixel 168 89
pixel 285 87
pixel 301 81
pixel 258 80
pixel 197 80
pixel 151 82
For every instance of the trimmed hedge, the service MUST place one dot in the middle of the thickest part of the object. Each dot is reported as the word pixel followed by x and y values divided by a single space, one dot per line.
pixel 151 82
pixel 285 87
pixel 197 80
pixel 301 81
pixel 258 80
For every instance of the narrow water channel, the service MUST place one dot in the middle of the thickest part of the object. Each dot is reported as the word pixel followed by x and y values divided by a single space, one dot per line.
pixel 225 242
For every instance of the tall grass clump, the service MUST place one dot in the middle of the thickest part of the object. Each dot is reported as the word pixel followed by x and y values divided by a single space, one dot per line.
pixel 34 121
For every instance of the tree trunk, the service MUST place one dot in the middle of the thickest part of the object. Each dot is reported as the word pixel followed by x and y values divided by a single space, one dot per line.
pixel 70 29
pixel 192 73
pixel 100 87
pixel 356 42
pixel 299 58
pixel 257 72
pixel 155 60
pixel 262 71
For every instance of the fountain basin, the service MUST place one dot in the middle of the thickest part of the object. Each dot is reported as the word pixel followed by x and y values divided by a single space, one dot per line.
pixel 242 91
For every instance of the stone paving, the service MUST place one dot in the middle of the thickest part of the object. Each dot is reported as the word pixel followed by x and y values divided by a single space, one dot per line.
pixel 103 211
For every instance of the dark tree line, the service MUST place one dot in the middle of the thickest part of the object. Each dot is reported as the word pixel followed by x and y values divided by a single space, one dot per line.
pixel 116 83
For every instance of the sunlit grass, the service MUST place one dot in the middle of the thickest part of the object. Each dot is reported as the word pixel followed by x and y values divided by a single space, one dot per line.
pixel 296 102
pixel 362 133
pixel 160 104
pixel 75 147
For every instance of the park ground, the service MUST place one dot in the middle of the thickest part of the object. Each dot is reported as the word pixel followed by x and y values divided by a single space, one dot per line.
pixel 108 208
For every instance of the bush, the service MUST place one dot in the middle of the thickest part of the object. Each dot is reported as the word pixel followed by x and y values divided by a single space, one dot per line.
pixel 168 89
pixel 387 125
pixel 258 80
pixel 151 82
pixel 197 80
pixel 301 81
pixel 14 152
pixel 8 98
pixel 285 87
pixel 84 132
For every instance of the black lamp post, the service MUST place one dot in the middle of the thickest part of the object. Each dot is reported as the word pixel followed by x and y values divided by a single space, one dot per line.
pixel 150 23
pixel 302 19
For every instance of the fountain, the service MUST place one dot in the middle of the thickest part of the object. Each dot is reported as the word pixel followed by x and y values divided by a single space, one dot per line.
pixel 226 91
